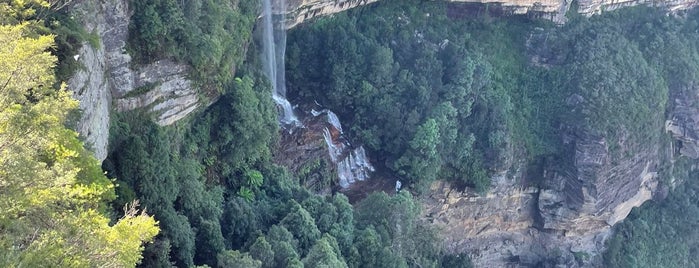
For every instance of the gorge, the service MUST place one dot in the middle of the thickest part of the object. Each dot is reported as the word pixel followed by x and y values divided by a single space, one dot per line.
pixel 542 206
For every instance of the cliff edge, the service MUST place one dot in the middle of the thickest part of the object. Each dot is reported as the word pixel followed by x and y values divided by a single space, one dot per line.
pixel 299 11
pixel 108 81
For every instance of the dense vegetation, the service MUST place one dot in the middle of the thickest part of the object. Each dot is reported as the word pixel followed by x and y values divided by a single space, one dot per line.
pixel 221 202
pixel 432 93
pixel 660 234
pixel 209 35
pixel 436 94
pixel 53 194
pixel 433 96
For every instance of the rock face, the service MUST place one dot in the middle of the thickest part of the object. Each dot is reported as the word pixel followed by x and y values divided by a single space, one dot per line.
pixel 595 192
pixel 170 95
pixel 563 222
pixel 107 80
pixel 91 89
pixel 318 151
pixel 302 10
pixel 683 124
pixel 590 7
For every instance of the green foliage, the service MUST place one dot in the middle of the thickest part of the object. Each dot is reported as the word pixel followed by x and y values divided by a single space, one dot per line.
pixel 623 87
pixel 431 101
pixel 236 259
pixel 300 223
pixel 204 220
pixel 211 36
pixel 283 245
pixel 45 17
pixel 325 253
pixel 371 251
pixel 261 250
pixel 396 220
pixel 420 162
pixel 245 120
pixel 53 194
pixel 659 234
pixel 246 193
pixel 254 178
pixel 191 177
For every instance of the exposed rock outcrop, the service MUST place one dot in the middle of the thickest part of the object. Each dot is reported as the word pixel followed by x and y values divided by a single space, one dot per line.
pixel 591 7
pixel 107 77
pixel 683 124
pixel 319 152
pixel 555 10
pixel 564 222
pixel 90 88
pixel 498 229
pixel 595 192
pixel 168 93
pixel 301 10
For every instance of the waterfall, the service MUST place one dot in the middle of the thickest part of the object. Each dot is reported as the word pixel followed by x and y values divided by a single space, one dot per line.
pixel 355 167
pixel 274 46
pixel 352 164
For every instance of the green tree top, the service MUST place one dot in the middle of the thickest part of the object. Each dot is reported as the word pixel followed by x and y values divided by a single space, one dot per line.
pixel 52 191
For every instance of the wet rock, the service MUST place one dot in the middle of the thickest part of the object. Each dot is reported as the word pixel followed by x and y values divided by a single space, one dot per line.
pixel 319 138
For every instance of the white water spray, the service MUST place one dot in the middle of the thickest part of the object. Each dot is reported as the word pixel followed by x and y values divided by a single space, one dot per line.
pixel 274 46
pixel 352 165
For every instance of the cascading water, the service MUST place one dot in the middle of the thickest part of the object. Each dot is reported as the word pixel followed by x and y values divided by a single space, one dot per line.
pixel 351 164
pixel 274 46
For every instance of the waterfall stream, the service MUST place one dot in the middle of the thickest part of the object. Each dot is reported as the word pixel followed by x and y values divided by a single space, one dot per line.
pixel 351 164
pixel 274 48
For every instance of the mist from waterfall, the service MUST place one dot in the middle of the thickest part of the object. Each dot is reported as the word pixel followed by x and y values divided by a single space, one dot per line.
pixel 352 164
pixel 274 48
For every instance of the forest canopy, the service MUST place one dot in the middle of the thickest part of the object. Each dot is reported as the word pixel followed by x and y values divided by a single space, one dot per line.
pixel 431 95
pixel 53 194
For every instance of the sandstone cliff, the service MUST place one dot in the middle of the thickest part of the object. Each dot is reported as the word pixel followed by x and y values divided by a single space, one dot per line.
pixel 566 220
pixel 302 10
pixel 683 123
pixel 563 222
pixel 107 80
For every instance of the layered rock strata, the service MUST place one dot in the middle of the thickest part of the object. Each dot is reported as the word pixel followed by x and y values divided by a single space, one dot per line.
pixel 683 123
pixel 563 222
pixel 299 11
pixel 108 81
pixel 319 151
